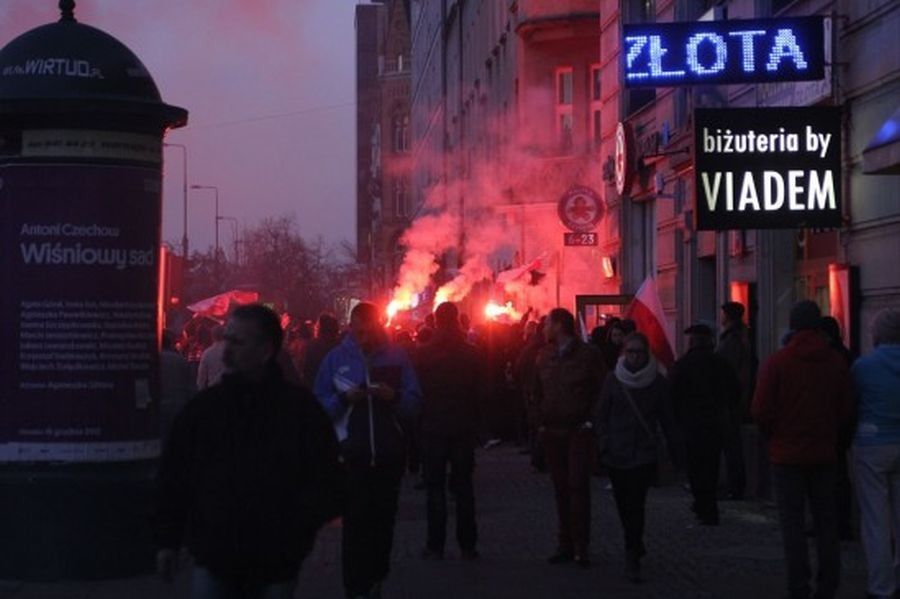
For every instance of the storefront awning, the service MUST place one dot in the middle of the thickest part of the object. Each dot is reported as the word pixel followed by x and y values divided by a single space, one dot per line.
pixel 882 154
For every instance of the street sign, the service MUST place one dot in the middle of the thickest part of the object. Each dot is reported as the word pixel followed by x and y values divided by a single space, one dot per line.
pixel 580 239
pixel 767 168
pixel 623 158
pixel 580 209
pixel 720 52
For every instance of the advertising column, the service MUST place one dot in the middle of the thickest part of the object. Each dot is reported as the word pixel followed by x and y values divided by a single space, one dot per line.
pixel 78 368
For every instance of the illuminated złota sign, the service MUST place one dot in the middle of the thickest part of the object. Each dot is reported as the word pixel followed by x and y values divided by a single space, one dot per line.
pixel 719 52
pixel 767 168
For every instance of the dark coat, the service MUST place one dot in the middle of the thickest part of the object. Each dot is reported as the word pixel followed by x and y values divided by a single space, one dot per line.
pixel 525 372
pixel 610 353
pixel 804 401
pixel 734 346
pixel 705 392
pixel 249 474
pixel 568 385
pixel 452 376
pixel 622 439
pixel 316 351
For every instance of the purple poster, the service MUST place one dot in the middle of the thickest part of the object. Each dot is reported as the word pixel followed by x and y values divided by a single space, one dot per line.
pixel 78 305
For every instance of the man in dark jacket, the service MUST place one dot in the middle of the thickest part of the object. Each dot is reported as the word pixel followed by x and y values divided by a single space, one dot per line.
pixel 327 337
pixel 249 474
pixel 832 330
pixel 525 371
pixel 705 392
pixel 736 349
pixel 803 400
pixel 570 375
pixel 451 372
pixel 368 387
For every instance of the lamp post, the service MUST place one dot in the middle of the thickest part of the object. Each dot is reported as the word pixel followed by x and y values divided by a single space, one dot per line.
pixel 216 190
pixel 184 217
pixel 234 234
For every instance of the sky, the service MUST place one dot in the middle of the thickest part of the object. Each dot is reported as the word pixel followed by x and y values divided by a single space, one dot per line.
pixel 233 64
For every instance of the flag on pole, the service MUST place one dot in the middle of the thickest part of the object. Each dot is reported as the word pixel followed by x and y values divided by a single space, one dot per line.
pixel 647 312
pixel 582 329
pixel 508 276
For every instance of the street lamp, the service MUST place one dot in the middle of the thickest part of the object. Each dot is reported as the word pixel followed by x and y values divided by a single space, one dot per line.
pixel 216 190
pixel 184 236
pixel 234 234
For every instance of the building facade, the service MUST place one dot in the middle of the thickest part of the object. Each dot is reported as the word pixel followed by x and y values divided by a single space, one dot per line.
pixel 369 27
pixel 396 205
pixel 513 102
pixel 503 102
pixel 384 204
pixel 767 270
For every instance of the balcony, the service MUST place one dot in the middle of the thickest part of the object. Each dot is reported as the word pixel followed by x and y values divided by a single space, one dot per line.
pixel 394 66
pixel 532 14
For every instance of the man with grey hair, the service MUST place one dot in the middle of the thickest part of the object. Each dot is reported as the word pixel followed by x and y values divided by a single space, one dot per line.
pixel 876 451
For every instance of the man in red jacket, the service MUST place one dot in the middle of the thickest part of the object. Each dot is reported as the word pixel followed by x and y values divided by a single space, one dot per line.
pixel 803 402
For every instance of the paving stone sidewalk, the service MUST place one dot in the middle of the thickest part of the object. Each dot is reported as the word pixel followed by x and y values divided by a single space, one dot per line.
pixel 740 559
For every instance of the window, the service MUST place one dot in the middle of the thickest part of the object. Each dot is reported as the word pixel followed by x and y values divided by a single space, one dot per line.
pixel 401 132
pixel 401 201
pixel 779 5
pixel 642 240
pixel 595 105
pixel 564 108
pixel 640 11
pixel 691 10
pixel 564 86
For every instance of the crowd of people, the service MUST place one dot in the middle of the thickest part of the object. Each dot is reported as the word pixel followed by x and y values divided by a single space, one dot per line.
pixel 270 449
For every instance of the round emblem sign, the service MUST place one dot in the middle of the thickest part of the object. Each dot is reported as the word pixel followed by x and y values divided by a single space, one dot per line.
pixel 580 209
pixel 623 164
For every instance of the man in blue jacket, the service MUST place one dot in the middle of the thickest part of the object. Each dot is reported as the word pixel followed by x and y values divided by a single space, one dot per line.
pixel 876 453
pixel 368 386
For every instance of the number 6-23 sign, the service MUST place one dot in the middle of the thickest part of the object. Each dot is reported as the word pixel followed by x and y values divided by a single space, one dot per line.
pixel 580 239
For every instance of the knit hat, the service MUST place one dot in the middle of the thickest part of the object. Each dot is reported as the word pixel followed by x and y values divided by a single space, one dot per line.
pixel 886 327
pixel 805 315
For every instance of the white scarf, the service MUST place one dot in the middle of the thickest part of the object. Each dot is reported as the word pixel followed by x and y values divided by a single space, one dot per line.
pixel 637 380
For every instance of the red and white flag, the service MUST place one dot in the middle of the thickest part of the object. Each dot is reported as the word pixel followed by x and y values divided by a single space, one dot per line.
pixel 647 312
pixel 508 276
pixel 582 329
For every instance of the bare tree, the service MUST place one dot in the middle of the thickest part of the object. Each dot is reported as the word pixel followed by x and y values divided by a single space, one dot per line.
pixel 303 277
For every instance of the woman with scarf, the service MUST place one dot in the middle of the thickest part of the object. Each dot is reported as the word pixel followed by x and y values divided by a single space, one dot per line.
pixel 633 406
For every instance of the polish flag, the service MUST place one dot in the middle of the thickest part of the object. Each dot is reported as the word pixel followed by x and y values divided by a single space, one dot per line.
pixel 508 276
pixel 647 312
pixel 582 329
